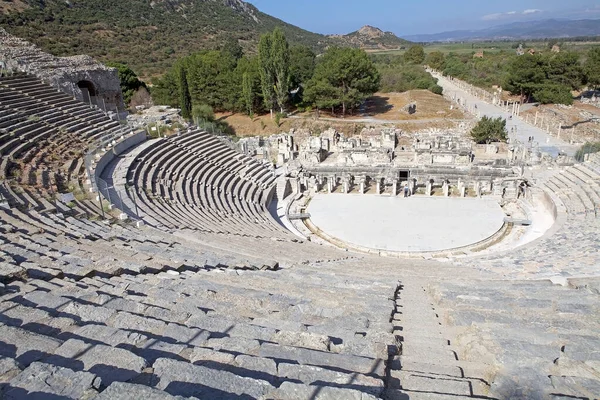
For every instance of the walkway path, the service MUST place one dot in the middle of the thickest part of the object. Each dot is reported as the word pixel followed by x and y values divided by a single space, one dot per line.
pixel 547 143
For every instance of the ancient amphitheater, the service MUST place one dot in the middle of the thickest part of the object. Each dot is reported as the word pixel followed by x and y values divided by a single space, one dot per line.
pixel 199 271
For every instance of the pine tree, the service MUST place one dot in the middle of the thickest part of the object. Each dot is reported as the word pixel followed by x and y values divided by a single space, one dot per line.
pixel 185 100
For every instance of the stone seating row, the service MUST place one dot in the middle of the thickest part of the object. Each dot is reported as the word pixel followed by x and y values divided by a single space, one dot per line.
pixel 539 336
pixel 38 126
pixel 578 187
pixel 184 176
pixel 207 332
pixel 36 241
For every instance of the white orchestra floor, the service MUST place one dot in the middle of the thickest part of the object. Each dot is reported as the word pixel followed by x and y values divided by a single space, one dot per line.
pixel 414 224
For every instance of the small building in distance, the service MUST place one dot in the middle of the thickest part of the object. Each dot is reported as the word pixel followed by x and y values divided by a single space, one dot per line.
pixel 479 54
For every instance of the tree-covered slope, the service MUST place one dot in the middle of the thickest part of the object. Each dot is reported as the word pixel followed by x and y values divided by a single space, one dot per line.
pixel 147 35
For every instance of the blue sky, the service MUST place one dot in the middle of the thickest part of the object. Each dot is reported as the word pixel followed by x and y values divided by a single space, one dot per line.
pixel 406 17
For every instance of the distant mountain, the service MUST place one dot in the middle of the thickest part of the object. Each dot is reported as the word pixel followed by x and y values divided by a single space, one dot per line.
pixel 550 28
pixel 369 37
pixel 147 35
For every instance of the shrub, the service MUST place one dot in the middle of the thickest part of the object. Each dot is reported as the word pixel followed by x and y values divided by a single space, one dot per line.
pixel 437 89
pixel 489 130
pixel 203 112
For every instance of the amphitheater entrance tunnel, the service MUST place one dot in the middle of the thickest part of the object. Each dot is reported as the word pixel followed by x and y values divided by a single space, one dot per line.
pixel 88 91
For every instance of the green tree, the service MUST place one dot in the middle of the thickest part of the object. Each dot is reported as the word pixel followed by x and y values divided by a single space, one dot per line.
pixel 344 77
pixel 233 48
pixel 454 66
pixel 185 100
pixel 592 67
pixel 213 81
pixel 549 93
pixel 302 65
pixel 524 73
pixel 280 53
pixel 165 90
pixel 435 60
pixel 267 70
pixel 415 55
pixel 565 69
pixel 248 93
pixel 130 82
pixel 489 130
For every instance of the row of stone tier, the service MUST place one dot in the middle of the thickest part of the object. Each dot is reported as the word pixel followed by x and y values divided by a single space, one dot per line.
pixel 43 135
pixel 578 187
pixel 543 339
pixel 36 244
pixel 209 333
pixel 570 248
pixel 196 181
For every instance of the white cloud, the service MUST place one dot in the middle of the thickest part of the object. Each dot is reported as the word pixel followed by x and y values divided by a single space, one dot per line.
pixel 491 17
pixel 508 14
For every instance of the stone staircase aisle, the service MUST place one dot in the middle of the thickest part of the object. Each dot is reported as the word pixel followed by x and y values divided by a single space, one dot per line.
pixel 428 366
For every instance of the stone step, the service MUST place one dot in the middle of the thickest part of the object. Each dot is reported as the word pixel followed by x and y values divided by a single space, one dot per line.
pixel 470 369
pixel 341 362
pixel 109 363
pixel 41 380
pixel 415 381
pixel 296 391
pixel 24 346
pixel 129 391
pixel 317 376
pixel 575 386
pixel 185 379
pixel 397 394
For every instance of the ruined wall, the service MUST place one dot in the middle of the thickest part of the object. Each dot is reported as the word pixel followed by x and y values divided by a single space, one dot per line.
pixel 64 73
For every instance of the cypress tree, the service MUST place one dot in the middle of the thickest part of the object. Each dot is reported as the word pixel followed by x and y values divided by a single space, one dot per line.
pixel 267 79
pixel 280 53
pixel 248 93
pixel 185 100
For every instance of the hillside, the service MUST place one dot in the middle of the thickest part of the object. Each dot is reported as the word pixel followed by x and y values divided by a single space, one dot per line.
pixel 542 29
pixel 369 37
pixel 147 35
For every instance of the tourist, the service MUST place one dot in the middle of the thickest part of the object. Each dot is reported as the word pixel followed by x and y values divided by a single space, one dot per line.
pixel 406 191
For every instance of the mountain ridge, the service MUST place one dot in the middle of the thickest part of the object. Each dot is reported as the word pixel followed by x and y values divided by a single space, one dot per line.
pixel 149 36
pixel 370 38
pixel 540 29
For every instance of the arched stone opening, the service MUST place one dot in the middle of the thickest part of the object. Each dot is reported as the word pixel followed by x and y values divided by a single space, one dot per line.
pixel 88 92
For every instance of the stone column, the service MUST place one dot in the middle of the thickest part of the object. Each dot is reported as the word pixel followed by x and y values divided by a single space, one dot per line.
pixel 412 184
pixel 378 185
pixel 362 186
pixel 329 184
pixel 346 185
pixel 395 187
pixel 446 188
pixel 428 190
